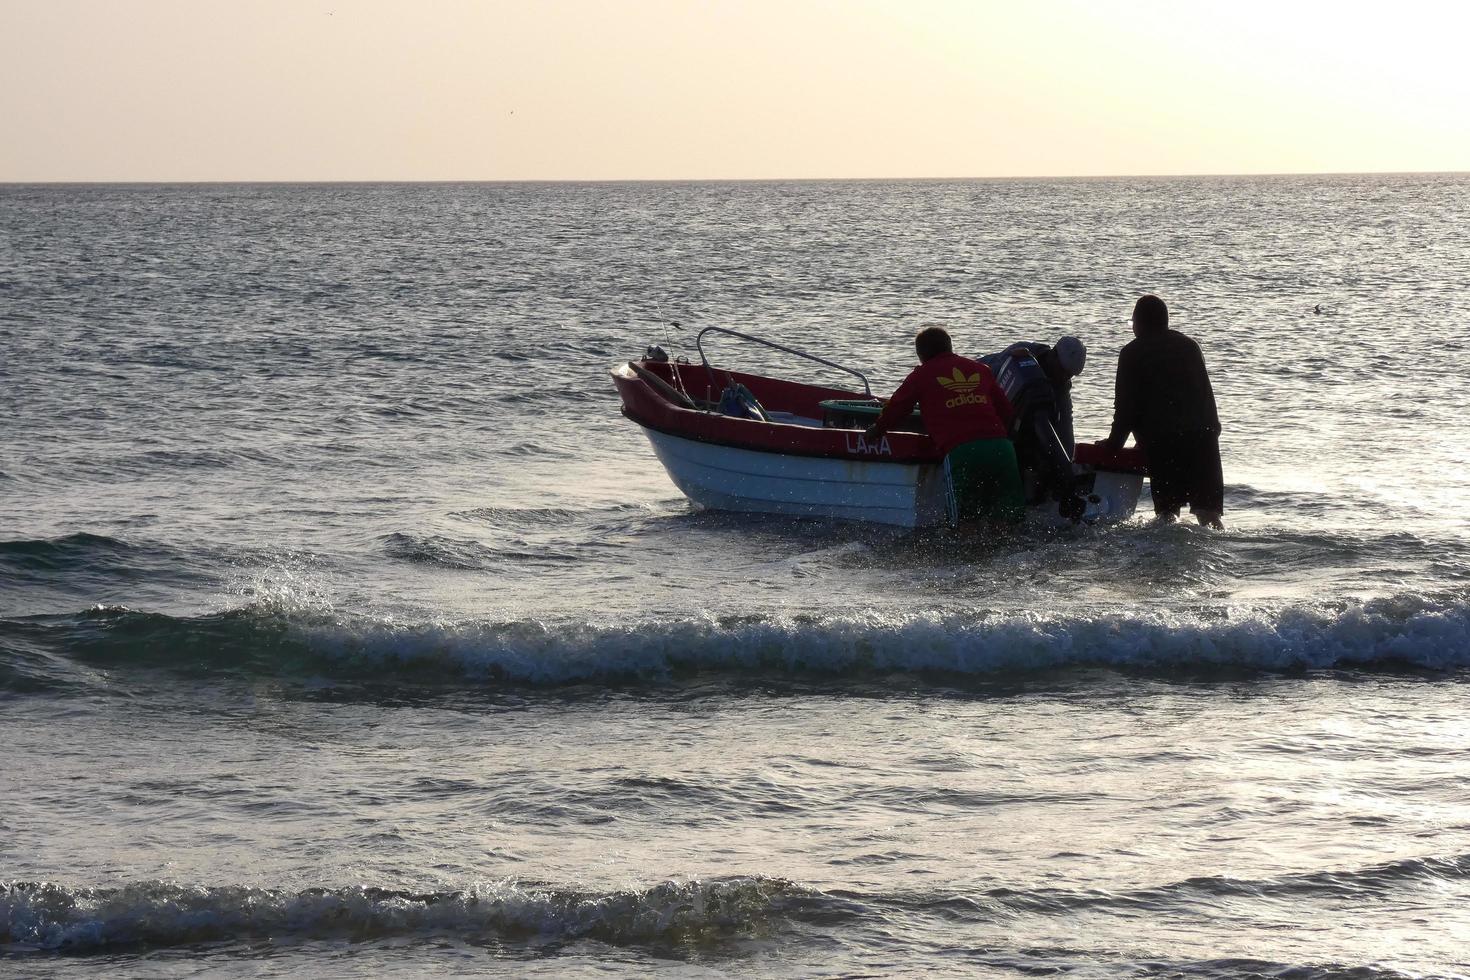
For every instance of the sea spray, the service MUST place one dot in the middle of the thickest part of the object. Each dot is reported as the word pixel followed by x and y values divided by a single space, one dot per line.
pixel 285 635
pixel 48 916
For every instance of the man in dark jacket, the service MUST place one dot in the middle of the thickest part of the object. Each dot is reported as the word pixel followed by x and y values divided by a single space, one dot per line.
pixel 1061 363
pixel 1164 398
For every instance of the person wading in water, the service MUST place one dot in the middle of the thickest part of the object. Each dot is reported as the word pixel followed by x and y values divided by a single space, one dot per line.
pixel 966 414
pixel 1164 398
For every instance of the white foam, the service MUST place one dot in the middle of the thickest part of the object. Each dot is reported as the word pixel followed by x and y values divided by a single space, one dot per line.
pixel 1409 630
pixel 51 916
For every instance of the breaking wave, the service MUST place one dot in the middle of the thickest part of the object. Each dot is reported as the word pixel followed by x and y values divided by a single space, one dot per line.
pixel 1405 631
pixel 37 916
pixel 46 916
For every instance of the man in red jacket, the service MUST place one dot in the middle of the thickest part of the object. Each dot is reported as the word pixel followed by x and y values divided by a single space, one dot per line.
pixel 967 415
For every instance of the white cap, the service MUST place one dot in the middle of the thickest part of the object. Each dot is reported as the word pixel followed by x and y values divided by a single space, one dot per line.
pixel 1071 355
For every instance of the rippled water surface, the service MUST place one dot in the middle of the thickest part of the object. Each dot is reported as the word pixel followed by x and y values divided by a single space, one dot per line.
pixel 347 628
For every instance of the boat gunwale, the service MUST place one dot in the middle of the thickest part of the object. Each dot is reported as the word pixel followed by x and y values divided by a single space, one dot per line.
pixel 905 448
pixel 916 448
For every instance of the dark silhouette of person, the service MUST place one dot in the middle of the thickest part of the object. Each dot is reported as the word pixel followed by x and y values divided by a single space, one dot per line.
pixel 1061 363
pixel 1164 398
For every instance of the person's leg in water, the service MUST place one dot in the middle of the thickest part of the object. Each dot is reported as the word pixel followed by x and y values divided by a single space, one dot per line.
pixel 984 483
pixel 1165 478
pixel 1186 470
pixel 1207 481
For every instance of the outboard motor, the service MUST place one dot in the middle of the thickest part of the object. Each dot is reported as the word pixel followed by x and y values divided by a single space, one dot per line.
pixel 1023 379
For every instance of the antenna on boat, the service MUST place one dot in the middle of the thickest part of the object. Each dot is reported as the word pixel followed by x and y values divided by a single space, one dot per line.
pixel 669 339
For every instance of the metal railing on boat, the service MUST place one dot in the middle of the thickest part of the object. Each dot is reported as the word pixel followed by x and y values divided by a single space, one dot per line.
pixel 699 346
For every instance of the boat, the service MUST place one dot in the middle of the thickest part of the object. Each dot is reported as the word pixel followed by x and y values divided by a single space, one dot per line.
pixel 739 441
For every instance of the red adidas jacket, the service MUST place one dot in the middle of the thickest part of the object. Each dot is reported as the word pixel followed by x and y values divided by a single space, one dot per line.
pixel 958 399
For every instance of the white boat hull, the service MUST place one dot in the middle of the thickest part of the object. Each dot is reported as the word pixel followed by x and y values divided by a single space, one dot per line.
pixel 904 494
pixel 730 478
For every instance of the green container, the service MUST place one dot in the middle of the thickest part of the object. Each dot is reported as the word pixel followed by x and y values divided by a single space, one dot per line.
pixel 845 413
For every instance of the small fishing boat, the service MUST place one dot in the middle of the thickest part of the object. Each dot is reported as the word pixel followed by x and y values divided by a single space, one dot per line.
pixel 737 441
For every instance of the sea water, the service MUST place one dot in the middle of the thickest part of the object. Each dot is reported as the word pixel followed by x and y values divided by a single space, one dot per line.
pixel 347 628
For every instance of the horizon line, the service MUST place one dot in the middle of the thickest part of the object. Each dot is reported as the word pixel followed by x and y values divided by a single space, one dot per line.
pixel 722 180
